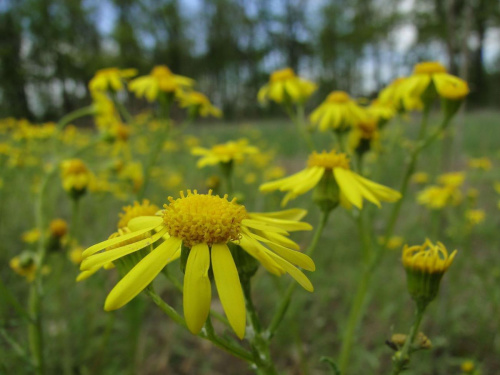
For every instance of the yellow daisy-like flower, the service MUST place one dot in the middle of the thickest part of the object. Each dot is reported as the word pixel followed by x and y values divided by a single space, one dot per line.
pixel 467 366
pixel 395 95
pixel 284 86
pixel 31 236
pixel 110 79
pixel 480 163
pixel 75 175
pixel 363 136
pixel 432 72
pixel 198 104
pixel 75 255
pixel 224 153
pixel 161 79
pixel 452 180
pixel 58 228
pixel 475 217
pixel 425 265
pixel 437 197
pixel 338 112
pixel 203 225
pixel 427 258
pixel 381 112
pixel 335 167
pixel 420 178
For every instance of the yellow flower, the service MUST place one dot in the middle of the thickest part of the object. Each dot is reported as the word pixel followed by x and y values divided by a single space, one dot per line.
pixel 420 178
pixel 363 136
pixel 437 197
pixel 274 173
pixel 338 112
pixel 75 255
pixel 31 236
pixel 433 73
pixel 132 173
pixel 173 180
pixel 24 265
pixel 467 366
pixel 224 153
pixel 381 112
pixel 110 79
pixel 395 242
pixel 198 104
pixel 425 265
pixel 334 168
pixel 203 225
pixel 191 141
pixel 161 79
pixel 75 176
pixel 395 95
pixel 452 180
pixel 475 217
pixel 284 87
pixel 250 178
pixel 480 163
pixel 58 228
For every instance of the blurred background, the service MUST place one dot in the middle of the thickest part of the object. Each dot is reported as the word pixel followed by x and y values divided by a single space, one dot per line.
pixel 49 49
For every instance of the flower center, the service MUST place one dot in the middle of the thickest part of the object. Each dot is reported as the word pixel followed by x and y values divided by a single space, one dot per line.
pixel 338 97
pixel 73 166
pixel 136 210
pixel 229 150
pixel 429 67
pixel 328 160
pixel 161 71
pixel 203 218
pixel 282 75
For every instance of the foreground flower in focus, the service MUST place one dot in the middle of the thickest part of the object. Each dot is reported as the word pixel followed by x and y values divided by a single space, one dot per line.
pixel 338 112
pixel 224 153
pixel 200 226
pixel 110 79
pixel 285 87
pixel 331 171
pixel 425 265
pixel 161 79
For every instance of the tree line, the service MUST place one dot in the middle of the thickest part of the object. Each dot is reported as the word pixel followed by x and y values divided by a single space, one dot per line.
pixel 49 49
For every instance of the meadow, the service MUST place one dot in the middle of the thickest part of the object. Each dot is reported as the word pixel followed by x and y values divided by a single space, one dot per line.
pixel 81 338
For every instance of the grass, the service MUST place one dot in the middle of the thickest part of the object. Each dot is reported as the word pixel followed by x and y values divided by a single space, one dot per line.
pixel 462 323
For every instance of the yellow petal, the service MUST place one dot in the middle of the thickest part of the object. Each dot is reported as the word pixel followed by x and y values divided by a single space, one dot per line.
pixel 229 287
pixel 143 222
pixel 197 291
pixel 297 274
pixel 252 247
pixel 348 187
pixel 86 274
pixel 113 241
pixel 99 260
pixel 142 274
pixel 290 214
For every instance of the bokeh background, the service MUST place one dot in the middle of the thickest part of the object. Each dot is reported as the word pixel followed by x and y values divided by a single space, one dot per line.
pixel 50 49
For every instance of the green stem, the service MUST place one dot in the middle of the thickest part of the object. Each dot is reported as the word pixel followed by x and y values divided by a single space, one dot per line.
pixel 35 333
pixel 298 119
pixel 75 205
pixel 285 300
pixel 227 173
pixel 166 308
pixel 125 114
pixel 67 119
pixel 424 123
pixel 402 358
pixel 258 342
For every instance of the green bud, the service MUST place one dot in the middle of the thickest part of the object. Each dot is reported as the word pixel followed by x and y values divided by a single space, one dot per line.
pixel 327 193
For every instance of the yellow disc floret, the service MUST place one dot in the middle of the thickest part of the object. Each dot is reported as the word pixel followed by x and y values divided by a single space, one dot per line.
pixel 203 218
pixel 328 160
pixel 137 209
pixel 429 67
pixel 427 258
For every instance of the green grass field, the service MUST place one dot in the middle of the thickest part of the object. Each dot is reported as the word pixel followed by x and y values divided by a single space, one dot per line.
pixel 462 323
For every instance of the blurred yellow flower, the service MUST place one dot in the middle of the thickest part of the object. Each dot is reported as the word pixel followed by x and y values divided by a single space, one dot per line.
pixel 132 173
pixel 433 73
pixel 420 178
pixel 75 176
pixel 110 79
pixel 480 163
pixel 161 79
pixel 191 141
pixel 202 225
pixel 395 95
pixel 274 173
pixel 338 112
pixel 394 243
pixel 58 228
pixel 31 236
pixel 437 197
pixel 285 87
pixel 452 180
pixel 467 366
pixel 24 265
pixel 173 180
pixel 75 255
pixel 250 178
pixel 381 112
pixel 333 167
pixel 475 217
pixel 224 152
pixel 198 104
pixel 363 136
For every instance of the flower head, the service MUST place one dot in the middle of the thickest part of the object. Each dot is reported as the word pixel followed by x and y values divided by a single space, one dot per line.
pixel 285 87
pixel 24 265
pixel 475 217
pixel 394 95
pixel 58 228
pixel 110 79
pixel 161 79
pixel 224 153
pixel 480 163
pixel 331 172
pixel 425 265
pixel 338 112
pixel 76 177
pixel 202 227
pixel 198 104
